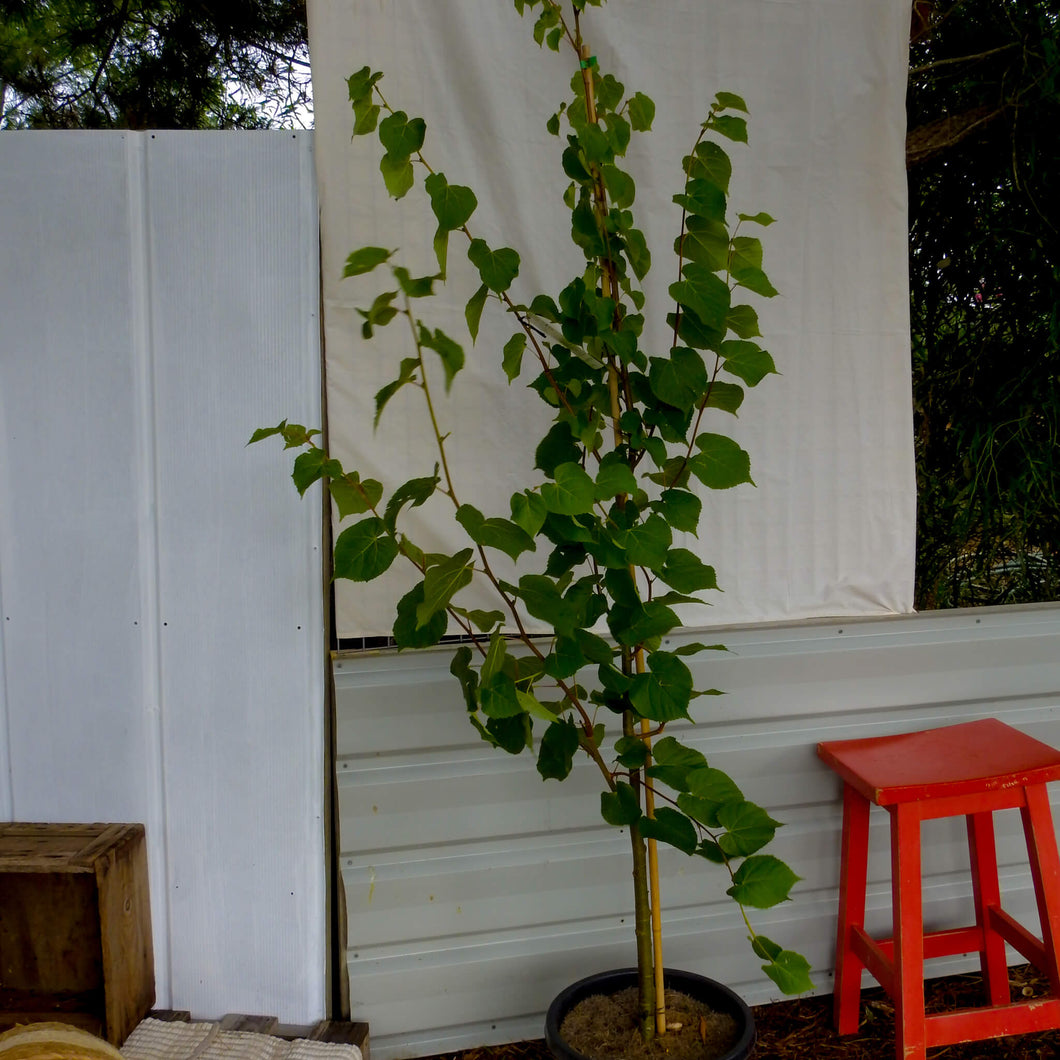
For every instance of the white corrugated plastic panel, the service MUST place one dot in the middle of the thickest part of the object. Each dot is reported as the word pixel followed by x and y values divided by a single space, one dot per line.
pixel 161 643
pixel 475 891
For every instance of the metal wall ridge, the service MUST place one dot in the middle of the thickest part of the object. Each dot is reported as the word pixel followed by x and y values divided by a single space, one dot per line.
pixel 430 763
pixel 474 856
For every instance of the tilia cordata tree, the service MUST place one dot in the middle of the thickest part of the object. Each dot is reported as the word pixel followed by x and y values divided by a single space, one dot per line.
pixel 629 438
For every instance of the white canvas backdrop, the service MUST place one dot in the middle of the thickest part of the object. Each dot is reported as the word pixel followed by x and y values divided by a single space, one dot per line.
pixel 829 530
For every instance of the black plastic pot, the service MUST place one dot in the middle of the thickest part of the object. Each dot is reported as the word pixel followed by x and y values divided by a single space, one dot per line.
pixel 717 996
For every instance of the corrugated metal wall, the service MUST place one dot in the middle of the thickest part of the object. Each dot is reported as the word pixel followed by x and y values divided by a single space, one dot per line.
pixel 161 646
pixel 475 891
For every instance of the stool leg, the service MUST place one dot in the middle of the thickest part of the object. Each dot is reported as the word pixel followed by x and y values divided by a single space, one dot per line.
pixel 853 879
pixel 1045 871
pixel 986 892
pixel 910 1026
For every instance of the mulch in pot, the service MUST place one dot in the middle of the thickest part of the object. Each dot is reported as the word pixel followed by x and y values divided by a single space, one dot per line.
pixel 802 1029
pixel 605 1027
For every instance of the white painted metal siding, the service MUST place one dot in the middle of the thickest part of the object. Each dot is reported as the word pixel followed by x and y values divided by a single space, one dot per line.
pixel 161 652
pixel 475 891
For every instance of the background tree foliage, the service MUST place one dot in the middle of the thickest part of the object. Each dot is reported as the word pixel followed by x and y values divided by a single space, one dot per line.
pixel 984 181
pixel 162 64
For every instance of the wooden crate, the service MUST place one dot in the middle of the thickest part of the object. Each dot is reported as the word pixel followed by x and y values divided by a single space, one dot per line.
pixel 75 926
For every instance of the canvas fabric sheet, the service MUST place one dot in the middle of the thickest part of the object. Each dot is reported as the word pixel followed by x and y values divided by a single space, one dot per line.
pixel 828 529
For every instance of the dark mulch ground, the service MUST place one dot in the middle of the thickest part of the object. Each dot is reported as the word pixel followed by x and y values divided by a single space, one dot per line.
pixel 802 1029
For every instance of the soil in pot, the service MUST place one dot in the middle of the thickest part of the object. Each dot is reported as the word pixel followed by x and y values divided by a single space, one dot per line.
pixel 605 1028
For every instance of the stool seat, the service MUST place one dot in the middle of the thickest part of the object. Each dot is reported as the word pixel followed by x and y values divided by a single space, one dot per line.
pixel 967 770
pixel 954 760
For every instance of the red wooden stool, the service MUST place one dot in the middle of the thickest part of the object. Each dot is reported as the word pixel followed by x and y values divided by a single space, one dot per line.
pixel 965 770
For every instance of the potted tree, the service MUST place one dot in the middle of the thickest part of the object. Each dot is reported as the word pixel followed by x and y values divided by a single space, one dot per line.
pixel 619 470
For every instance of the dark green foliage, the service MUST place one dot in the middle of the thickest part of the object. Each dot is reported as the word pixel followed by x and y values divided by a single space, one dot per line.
pixel 559 744
pixel 984 179
pixel 142 64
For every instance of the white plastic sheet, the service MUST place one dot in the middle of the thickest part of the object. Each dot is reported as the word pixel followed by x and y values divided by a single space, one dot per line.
pixel 829 530
pixel 161 638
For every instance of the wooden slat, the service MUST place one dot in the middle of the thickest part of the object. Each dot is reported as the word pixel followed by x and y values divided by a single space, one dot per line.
pixel 342 1032
pixel 126 943
pixel 83 1020
pixel 291 1031
pixel 70 848
pixel 110 837
pixel 236 1021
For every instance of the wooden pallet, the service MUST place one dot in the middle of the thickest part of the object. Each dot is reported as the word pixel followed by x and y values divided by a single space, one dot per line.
pixel 337 1032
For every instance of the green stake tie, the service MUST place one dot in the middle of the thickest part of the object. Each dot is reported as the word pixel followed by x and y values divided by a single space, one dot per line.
pixel 586 63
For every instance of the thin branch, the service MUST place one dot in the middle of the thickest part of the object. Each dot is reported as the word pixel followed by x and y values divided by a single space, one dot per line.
pixel 286 57
pixel 93 85
pixel 425 387
pixel 914 70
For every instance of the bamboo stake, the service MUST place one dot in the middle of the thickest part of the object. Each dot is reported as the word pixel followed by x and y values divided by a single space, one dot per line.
pixel 649 790
pixel 653 878
pixel 587 79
